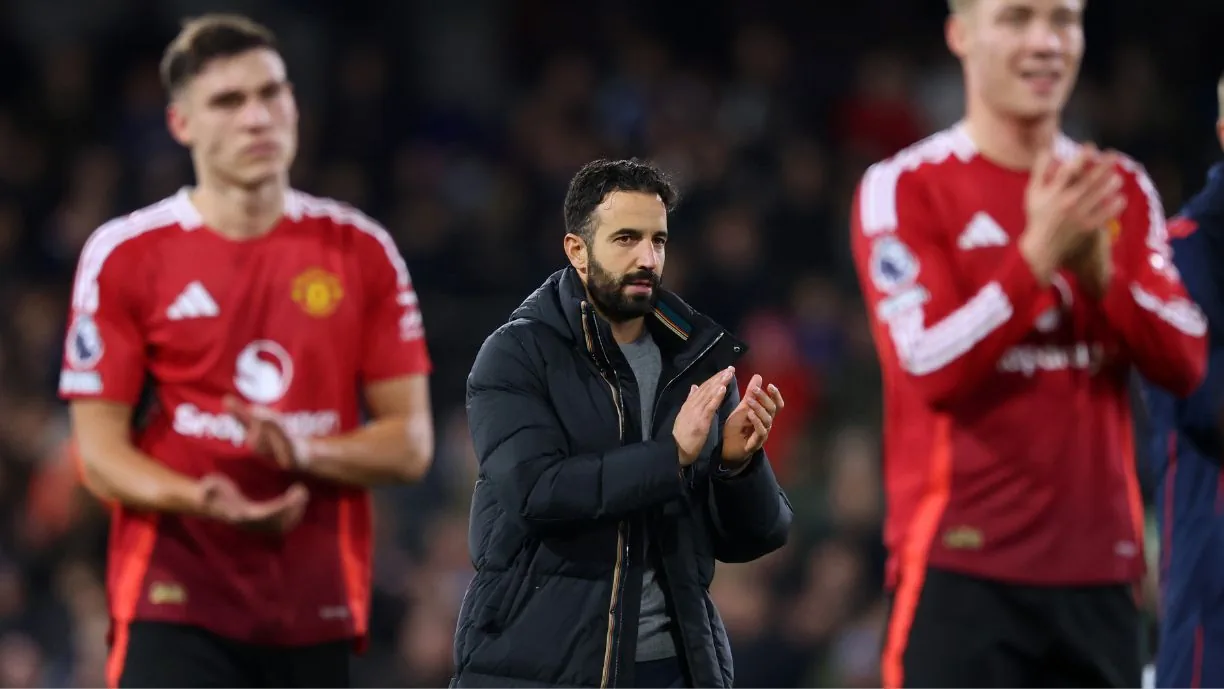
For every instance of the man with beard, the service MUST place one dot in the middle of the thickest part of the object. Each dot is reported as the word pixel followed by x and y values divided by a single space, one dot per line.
pixel 617 463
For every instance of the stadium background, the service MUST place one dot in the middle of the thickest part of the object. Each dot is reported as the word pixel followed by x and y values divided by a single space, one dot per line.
pixel 458 124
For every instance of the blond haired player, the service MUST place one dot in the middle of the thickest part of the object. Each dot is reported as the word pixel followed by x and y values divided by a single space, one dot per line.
pixel 1014 279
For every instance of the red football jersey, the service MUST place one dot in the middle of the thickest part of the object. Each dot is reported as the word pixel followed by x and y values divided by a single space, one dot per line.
pixel 1008 449
pixel 297 320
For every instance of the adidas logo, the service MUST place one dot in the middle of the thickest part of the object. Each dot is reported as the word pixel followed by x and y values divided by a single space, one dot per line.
pixel 193 302
pixel 982 231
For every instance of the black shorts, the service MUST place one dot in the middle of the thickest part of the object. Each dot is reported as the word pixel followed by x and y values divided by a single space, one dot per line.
pixel 158 654
pixel 962 631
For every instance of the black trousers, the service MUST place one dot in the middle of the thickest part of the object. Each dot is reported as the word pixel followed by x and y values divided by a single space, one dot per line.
pixel 667 673
pixel 156 654
pixel 962 631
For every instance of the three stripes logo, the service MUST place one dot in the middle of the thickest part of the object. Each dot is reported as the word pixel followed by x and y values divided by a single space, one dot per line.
pixel 193 302
pixel 981 232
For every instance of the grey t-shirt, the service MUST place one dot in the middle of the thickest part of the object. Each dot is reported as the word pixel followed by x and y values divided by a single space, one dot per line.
pixel 654 636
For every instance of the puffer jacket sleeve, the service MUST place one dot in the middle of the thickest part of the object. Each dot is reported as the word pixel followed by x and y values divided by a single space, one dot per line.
pixel 522 448
pixel 751 513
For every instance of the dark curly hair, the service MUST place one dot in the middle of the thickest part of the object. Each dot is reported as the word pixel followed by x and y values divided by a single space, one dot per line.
pixel 599 178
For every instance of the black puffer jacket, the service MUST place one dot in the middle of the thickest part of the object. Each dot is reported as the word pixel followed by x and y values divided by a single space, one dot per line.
pixel 567 486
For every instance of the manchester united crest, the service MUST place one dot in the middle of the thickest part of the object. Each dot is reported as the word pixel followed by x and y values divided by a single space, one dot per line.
pixel 318 292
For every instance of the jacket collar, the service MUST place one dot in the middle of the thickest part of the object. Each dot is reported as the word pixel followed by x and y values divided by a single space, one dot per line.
pixel 1207 206
pixel 562 303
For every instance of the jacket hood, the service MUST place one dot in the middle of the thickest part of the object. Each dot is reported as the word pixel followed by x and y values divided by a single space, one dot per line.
pixel 557 303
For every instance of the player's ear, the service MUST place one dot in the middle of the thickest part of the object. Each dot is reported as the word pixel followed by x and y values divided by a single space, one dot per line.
pixel 576 252
pixel 956 34
pixel 176 122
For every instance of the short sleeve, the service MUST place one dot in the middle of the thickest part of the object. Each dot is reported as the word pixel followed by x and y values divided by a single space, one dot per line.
pixel 104 350
pixel 394 332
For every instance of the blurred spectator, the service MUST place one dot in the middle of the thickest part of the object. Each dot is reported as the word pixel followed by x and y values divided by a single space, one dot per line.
pixel 773 352
pixel 880 117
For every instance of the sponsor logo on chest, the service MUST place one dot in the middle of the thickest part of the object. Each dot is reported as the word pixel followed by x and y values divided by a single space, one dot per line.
pixel 263 375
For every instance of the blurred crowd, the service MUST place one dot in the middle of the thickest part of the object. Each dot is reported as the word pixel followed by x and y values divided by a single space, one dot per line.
pixel 458 126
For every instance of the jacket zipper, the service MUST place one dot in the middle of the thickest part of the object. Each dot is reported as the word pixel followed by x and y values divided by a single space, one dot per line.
pixel 653 412
pixel 608 675
pixel 655 408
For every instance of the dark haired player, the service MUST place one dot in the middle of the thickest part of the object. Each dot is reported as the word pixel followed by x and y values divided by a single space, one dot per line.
pixel 258 320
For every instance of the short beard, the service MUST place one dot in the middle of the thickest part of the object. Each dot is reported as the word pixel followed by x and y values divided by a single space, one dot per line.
pixel 607 292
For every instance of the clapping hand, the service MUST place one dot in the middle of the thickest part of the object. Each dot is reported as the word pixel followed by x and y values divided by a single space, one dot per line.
pixel 266 434
pixel 1067 206
pixel 219 498
pixel 1093 263
pixel 748 426
pixel 692 424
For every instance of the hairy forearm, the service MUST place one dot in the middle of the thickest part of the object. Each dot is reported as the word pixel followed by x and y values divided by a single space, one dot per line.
pixel 130 477
pixel 391 450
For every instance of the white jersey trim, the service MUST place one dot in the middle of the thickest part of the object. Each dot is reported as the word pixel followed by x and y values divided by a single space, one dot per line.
pixel 164 214
pixel 923 350
pixel 344 214
pixel 878 198
pixel 179 211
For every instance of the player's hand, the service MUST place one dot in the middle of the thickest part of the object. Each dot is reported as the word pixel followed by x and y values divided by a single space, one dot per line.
pixel 748 426
pixel 1065 203
pixel 266 434
pixel 1092 263
pixel 692 425
pixel 221 499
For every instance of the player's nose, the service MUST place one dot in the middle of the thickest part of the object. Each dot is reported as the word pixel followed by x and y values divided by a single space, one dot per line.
pixel 1042 38
pixel 255 114
pixel 647 257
